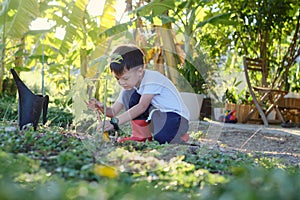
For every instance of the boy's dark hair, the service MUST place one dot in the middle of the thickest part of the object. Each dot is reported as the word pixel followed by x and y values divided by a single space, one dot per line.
pixel 126 56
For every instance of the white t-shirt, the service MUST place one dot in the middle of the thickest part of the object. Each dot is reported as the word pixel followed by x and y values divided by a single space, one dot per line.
pixel 166 96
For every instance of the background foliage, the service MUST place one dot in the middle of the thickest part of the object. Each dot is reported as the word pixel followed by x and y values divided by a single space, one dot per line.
pixel 197 38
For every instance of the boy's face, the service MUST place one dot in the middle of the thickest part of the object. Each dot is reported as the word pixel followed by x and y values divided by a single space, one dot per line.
pixel 130 78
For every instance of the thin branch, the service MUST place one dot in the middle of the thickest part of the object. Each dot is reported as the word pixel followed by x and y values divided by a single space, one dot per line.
pixel 250 138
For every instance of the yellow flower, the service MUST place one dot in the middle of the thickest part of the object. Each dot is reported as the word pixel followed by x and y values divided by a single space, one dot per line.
pixel 107 171
pixel 105 137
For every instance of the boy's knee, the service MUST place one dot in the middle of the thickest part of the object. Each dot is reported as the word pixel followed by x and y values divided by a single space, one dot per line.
pixel 163 138
pixel 160 138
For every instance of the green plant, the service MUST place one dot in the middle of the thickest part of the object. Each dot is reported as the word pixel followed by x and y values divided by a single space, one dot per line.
pixel 194 73
pixel 8 108
pixel 59 117
pixel 294 79
pixel 257 183
pixel 234 95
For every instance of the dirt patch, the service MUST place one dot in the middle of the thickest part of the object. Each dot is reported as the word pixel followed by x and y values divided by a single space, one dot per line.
pixel 273 141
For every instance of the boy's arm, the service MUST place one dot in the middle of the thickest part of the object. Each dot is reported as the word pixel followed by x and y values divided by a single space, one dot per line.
pixel 110 111
pixel 114 109
pixel 136 110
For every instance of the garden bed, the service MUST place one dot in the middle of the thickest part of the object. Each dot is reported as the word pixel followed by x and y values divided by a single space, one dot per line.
pixel 216 162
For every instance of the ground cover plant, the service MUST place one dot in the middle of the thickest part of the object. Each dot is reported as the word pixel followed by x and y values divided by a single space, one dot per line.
pixel 57 162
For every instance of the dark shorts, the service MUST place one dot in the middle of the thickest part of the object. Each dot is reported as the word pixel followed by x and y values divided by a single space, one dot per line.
pixel 167 127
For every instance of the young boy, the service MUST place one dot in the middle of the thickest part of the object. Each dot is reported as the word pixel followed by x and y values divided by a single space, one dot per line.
pixel 151 101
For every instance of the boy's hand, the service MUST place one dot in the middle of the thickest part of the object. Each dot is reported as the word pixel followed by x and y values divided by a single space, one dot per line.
pixel 107 126
pixel 93 104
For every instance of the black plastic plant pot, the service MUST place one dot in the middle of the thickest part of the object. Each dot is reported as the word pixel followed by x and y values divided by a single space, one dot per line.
pixel 30 105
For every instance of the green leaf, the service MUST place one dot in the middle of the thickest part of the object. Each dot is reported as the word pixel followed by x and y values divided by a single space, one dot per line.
pixel 115 30
pixel 223 19
pixel 156 7
pixel 76 19
pixel 20 14
pixel 108 18
pixel 22 69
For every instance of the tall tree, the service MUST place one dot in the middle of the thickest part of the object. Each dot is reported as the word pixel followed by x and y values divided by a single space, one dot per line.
pixel 15 17
pixel 267 29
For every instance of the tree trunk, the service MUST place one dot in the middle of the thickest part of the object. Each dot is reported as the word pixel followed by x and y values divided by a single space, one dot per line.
pixel 159 61
pixel 170 53
pixel 2 66
pixel 263 55
pixel 83 62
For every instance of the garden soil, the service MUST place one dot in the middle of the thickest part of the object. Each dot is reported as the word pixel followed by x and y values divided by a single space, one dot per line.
pixel 273 141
